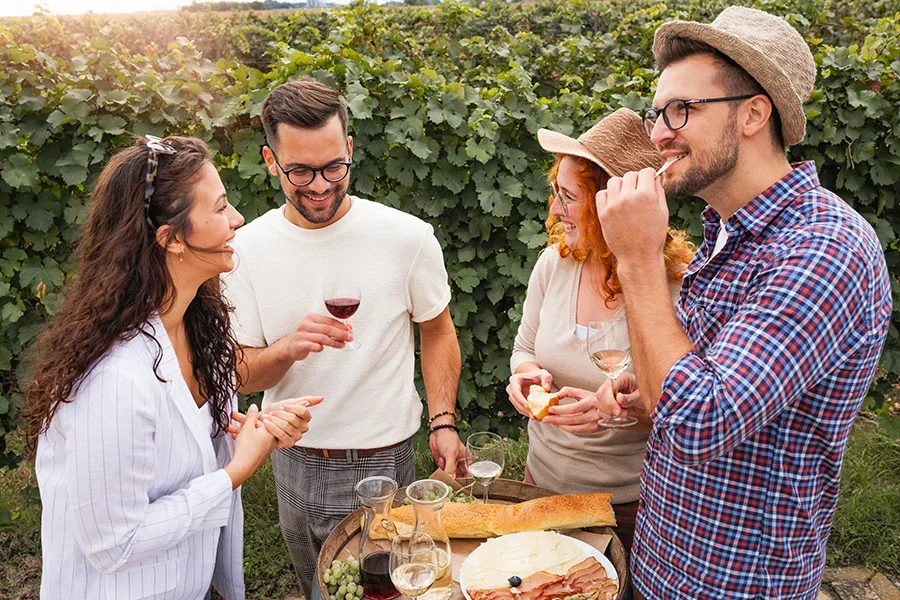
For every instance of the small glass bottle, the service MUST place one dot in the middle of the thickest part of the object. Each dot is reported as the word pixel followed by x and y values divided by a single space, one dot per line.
pixel 376 495
pixel 428 497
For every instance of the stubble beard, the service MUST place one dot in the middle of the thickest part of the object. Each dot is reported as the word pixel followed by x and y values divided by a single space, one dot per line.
pixel 721 161
pixel 321 215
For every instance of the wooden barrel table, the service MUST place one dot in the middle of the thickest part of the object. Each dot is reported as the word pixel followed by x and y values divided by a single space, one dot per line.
pixel 344 540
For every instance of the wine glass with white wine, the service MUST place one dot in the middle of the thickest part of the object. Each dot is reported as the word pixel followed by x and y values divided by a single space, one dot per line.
pixel 485 458
pixel 610 350
pixel 413 564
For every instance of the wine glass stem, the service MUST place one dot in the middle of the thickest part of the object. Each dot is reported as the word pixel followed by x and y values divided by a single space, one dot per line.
pixel 486 492
pixel 614 418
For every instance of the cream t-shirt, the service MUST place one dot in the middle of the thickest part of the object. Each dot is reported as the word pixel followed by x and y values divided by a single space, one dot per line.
pixel 281 271
pixel 607 461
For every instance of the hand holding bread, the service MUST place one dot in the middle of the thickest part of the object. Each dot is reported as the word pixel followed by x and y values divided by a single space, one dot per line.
pixel 579 416
pixel 520 384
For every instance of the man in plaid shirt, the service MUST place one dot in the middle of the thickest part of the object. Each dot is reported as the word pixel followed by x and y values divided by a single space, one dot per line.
pixel 785 308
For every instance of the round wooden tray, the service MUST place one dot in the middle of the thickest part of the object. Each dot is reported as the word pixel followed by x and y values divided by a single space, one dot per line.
pixel 502 491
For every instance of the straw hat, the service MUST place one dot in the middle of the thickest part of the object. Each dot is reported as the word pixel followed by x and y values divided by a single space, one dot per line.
pixel 618 143
pixel 767 47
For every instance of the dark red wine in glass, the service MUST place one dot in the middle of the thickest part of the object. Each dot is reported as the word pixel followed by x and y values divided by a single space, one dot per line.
pixel 375 577
pixel 342 308
pixel 342 301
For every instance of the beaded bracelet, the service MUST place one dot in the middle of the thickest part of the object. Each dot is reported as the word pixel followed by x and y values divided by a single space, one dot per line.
pixel 441 414
pixel 444 426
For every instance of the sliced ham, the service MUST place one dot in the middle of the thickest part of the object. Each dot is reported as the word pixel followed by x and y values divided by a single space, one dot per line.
pixel 586 578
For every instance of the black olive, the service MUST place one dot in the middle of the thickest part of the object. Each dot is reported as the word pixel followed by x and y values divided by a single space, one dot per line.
pixel 515 581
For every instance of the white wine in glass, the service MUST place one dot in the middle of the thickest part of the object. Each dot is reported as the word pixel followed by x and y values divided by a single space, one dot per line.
pixel 484 458
pixel 413 564
pixel 610 350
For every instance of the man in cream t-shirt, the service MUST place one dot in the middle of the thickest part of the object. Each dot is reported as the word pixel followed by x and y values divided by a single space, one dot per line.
pixel 286 259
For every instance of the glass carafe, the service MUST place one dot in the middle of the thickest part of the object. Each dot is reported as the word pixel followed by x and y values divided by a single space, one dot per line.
pixel 428 497
pixel 376 495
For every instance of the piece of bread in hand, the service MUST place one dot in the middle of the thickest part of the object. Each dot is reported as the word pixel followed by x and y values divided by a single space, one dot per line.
pixel 540 401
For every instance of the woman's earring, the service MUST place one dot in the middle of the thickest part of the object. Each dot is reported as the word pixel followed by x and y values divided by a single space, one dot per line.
pixel 181 256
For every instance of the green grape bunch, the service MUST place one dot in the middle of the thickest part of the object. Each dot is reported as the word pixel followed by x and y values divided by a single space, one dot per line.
pixel 343 580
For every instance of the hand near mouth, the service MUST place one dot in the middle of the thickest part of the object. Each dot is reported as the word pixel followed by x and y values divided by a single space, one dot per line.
pixel 635 218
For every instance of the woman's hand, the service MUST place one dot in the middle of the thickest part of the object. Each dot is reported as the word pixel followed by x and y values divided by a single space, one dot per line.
pixel 287 420
pixel 518 388
pixel 252 447
pixel 578 417
pixel 616 396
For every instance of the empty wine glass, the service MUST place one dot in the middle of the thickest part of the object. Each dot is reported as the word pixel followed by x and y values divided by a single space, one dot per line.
pixel 413 564
pixel 484 457
pixel 610 350
pixel 342 300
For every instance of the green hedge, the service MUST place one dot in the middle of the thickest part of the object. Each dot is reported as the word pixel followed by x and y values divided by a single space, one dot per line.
pixel 445 105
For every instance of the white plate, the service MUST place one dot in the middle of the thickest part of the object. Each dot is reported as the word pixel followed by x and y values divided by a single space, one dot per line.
pixel 584 546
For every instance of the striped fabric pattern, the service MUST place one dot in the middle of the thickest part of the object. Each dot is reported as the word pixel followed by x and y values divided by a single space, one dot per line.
pixel 743 464
pixel 135 502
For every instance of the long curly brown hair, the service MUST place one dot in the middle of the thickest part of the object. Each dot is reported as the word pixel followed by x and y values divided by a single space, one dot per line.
pixel 678 249
pixel 121 280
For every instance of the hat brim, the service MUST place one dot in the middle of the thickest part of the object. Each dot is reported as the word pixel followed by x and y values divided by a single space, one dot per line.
pixel 765 71
pixel 553 141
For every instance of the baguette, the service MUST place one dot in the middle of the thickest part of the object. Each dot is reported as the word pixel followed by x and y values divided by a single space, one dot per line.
pixel 540 401
pixel 462 520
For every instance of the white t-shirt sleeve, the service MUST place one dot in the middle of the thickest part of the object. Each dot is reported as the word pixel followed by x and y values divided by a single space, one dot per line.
pixel 428 289
pixel 246 323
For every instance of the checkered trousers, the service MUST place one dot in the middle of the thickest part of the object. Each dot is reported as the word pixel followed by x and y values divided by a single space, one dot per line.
pixel 315 494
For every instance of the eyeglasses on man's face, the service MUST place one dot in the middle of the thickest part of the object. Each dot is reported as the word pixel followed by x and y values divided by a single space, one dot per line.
pixel 303 175
pixel 675 112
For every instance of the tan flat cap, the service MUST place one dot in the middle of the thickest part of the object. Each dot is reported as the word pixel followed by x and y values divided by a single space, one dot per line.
pixel 767 47
pixel 618 143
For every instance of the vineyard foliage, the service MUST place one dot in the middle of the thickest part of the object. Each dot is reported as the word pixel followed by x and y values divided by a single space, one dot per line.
pixel 445 105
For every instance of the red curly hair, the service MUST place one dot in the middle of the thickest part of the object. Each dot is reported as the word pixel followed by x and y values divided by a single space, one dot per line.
pixel 677 251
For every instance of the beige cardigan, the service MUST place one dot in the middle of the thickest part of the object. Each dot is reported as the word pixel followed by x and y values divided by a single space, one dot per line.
pixel 606 461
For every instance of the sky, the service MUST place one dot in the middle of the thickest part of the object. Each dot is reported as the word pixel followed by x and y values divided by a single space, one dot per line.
pixel 20 8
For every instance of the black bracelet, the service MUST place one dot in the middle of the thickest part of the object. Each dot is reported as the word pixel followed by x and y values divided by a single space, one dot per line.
pixel 444 426
pixel 441 414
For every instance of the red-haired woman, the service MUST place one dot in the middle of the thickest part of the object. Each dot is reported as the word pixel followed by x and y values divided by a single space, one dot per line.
pixel 573 283
pixel 133 387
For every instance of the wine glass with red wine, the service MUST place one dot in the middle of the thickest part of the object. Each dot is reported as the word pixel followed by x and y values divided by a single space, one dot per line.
pixel 342 300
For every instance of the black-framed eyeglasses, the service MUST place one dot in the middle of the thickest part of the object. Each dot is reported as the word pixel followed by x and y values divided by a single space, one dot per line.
pixel 157 147
pixel 558 197
pixel 675 112
pixel 302 176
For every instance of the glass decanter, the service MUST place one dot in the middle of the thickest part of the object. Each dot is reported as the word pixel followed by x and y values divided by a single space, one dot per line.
pixel 428 497
pixel 376 494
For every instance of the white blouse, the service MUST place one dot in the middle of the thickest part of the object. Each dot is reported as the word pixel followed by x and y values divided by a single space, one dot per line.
pixel 136 502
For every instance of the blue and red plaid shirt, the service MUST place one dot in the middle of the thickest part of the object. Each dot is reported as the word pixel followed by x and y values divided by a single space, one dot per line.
pixel 743 463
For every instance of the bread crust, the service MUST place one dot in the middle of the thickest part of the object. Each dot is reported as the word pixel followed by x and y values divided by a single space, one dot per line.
pixel 463 520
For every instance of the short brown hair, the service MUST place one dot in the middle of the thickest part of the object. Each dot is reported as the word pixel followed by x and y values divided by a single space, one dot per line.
pixel 735 80
pixel 303 103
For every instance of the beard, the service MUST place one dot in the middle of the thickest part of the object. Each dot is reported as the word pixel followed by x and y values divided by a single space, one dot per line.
pixel 318 215
pixel 710 166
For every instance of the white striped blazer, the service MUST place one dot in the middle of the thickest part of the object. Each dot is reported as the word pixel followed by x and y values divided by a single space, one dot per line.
pixel 135 501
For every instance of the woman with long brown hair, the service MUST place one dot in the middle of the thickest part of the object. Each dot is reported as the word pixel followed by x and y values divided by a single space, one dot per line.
pixel 134 382
pixel 573 284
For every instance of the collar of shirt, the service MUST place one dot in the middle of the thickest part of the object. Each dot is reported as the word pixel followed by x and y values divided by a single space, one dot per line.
pixel 756 215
